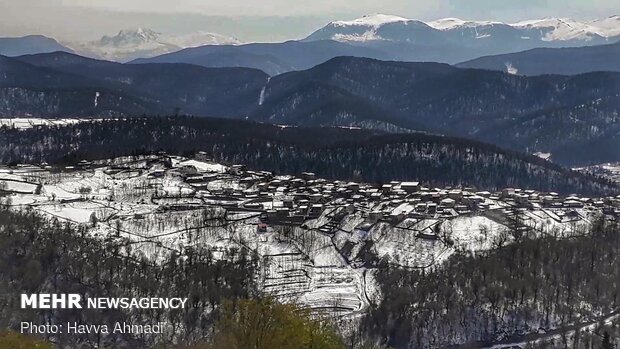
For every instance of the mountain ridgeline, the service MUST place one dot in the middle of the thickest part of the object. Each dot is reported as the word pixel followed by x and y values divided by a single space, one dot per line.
pixel 508 110
pixel 63 84
pixel 272 58
pixel 394 38
pixel 570 117
pixel 31 44
pixel 333 153
pixel 452 40
pixel 564 61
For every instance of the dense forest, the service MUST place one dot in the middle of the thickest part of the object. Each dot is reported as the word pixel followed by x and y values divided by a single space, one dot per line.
pixel 528 113
pixel 533 286
pixel 332 153
pixel 40 256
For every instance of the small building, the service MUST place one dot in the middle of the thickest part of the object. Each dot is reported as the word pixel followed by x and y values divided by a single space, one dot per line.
pixel 410 187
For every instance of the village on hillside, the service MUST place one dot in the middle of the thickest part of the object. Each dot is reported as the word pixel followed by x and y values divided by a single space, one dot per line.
pixel 317 240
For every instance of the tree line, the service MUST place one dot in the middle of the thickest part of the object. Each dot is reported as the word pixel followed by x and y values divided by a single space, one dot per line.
pixel 359 155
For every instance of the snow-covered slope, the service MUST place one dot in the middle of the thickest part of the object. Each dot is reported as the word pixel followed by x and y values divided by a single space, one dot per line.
pixel 199 39
pixel 369 28
pixel 455 23
pixel 609 27
pixel 372 21
pixel 130 44
pixel 560 29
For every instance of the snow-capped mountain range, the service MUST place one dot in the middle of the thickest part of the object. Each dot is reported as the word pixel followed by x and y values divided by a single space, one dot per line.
pixel 453 40
pixel 130 44
pixel 394 28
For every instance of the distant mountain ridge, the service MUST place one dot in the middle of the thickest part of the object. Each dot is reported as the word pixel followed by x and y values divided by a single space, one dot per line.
pixel 272 58
pixel 395 28
pixel 130 44
pixel 564 61
pixel 386 37
pixel 452 40
pixel 570 117
pixel 31 44
pixel 62 84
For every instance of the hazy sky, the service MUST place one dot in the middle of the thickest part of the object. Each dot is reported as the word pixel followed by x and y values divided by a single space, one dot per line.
pixel 264 20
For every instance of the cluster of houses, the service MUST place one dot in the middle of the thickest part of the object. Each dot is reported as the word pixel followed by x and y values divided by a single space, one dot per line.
pixel 295 199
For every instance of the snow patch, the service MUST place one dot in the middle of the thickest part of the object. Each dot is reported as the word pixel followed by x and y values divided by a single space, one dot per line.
pixel 375 20
pixel 510 69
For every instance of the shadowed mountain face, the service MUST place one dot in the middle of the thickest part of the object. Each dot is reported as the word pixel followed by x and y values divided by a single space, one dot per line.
pixel 565 61
pixel 155 88
pixel 273 59
pixel 31 44
pixel 512 111
pixel 567 116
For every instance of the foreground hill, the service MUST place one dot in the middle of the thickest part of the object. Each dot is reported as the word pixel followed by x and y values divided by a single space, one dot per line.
pixel 331 153
pixel 565 61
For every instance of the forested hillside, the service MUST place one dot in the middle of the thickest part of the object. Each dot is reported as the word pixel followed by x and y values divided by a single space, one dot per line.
pixel 485 105
pixel 360 155
pixel 516 292
pixel 547 113
pixel 61 258
pixel 61 84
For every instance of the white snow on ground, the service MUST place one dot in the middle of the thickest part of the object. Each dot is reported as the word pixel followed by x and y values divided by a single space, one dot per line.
pixel 23 123
pixel 75 215
pixel 452 23
pixel 204 166
pixel 474 233
pixel 375 20
pixel 562 29
pixel 19 187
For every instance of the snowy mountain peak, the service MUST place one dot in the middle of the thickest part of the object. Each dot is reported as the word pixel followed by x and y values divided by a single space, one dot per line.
pixel 200 38
pixel 561 29
pixel 127 37
pixel 130 44
pixel 608 27
pixel 374 20
pixel 373 28
pixel 454 23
